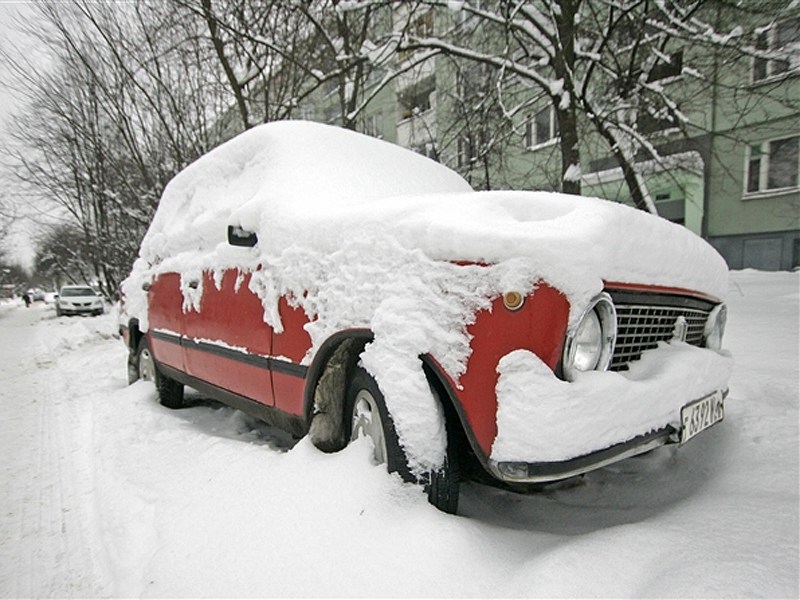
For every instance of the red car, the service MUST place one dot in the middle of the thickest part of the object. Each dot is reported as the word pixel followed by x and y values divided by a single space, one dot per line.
pixel 336 285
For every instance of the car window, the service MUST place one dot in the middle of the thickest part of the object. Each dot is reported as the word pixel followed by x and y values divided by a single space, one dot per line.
pixel 67 292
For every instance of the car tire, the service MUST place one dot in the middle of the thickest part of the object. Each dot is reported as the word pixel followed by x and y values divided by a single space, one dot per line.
pixel 144 367
pixel 369 416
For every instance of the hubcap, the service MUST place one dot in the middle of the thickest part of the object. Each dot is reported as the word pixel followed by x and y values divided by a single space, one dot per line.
pixel 367 421
pixel 147 369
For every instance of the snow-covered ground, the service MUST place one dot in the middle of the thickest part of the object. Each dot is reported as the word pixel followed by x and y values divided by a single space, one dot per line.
pixel 106 493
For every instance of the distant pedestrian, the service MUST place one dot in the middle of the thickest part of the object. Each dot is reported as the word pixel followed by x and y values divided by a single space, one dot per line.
pixel 27 298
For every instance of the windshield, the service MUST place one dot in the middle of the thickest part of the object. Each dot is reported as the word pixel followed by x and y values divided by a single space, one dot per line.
pixel 84 291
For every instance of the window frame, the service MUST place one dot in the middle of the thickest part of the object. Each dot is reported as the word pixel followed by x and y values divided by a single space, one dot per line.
pixel 763 169
pixel 769 43
pixel 530 129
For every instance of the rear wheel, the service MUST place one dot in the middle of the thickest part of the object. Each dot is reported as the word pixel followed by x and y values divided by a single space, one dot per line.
pixel 144 367
pixel 369 416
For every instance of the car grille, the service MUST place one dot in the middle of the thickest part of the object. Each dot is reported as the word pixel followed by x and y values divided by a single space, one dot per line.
pixel 644 320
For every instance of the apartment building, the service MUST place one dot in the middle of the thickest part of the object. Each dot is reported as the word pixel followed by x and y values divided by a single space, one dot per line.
pixel 730 174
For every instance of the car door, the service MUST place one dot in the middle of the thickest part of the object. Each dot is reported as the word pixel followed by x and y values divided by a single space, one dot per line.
pixel 227 343
pixel 289 350
pixel 165 315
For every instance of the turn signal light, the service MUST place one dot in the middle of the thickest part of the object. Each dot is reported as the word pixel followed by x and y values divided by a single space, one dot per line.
pixel 513 300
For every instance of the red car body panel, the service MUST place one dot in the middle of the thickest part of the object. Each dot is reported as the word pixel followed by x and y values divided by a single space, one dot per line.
pixel 538 326
pixel 292 344
pixel 165 309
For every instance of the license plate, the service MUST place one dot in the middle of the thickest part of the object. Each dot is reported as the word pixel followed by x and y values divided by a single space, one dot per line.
pixel 700 415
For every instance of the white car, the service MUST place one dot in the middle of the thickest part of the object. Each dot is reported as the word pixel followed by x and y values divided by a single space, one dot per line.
pixel 77 300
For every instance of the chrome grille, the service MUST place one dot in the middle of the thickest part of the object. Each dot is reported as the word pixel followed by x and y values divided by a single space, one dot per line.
pixel 641 326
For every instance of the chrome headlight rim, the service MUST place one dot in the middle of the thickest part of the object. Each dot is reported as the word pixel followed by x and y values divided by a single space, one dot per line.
pixel 715 327
pixel 602 306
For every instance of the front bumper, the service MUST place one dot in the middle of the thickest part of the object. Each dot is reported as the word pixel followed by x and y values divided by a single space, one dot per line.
pixel 548 429
pixel 80 310
pixel 545 472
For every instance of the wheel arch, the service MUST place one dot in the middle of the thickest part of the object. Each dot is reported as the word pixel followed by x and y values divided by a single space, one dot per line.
pixel 341 351
pixel 358 338
pixel 453 411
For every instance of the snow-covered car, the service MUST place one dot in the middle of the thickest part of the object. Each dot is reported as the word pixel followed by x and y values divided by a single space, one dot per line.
pixel 78 300
pixel 336 285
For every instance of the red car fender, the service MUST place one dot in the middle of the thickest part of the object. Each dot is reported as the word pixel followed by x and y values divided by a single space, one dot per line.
pixel 539 326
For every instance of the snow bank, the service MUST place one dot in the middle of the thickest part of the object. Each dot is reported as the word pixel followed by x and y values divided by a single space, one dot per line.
pixel 361 233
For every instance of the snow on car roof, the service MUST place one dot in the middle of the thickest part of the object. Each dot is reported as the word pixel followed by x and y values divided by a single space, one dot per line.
pixel 297 164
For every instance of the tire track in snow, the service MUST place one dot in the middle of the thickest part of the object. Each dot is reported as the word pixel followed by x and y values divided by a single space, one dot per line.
pixel 46 533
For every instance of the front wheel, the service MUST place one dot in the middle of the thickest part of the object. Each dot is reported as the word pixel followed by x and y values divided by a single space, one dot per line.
pixel 370 417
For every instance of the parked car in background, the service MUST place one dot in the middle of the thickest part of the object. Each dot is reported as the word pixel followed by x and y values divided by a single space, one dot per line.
pixel 337 286
pixel 78 300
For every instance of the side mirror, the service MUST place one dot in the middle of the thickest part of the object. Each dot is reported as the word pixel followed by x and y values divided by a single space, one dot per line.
pixel 239 237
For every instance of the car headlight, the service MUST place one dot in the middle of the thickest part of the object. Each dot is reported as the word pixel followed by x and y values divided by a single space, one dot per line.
pixel 590 344
pixel 715 327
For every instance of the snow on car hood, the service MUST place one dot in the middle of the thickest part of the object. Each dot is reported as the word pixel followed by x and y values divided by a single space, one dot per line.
pixel 361 233
pixel 574 241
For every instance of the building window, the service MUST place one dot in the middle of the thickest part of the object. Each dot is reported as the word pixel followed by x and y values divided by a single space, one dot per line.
pixel 471 147
pixel 666 69
pixel 417 98
pixel 773 165
pixel 778 38
pixel 542 128
pixel 648 122
pixel 419 27
pixel 423 25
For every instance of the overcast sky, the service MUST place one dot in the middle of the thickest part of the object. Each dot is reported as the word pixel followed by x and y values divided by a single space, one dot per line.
pixel 19 245
pixel 12 41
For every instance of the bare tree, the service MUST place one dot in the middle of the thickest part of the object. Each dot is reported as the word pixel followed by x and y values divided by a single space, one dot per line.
pixel 474 132
pixel 123 105
pixel 599 60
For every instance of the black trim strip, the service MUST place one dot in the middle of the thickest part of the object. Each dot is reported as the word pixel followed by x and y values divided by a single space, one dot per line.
pixel 255 360
pixel 166 337
pixel 294 424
